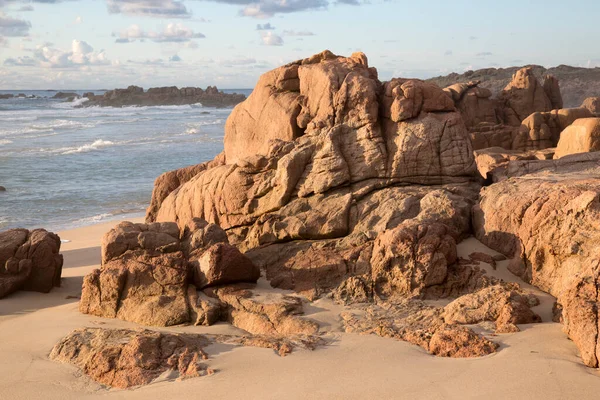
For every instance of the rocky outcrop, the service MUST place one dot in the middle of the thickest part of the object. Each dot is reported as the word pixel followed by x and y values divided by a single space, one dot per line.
pixel 581 137
pixel 123 358
pixel 520 118
pixel 523 96
pixel 29 260
pixel 147 271
pixel 163 96
pixel 545 215
pixel 592 104
pixel 576 83
pixel 334 183
pixel 65 96
pixel 362 137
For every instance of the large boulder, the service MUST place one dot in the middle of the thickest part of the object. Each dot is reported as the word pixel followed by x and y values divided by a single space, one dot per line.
pixel 581 137
pixel 545 215
pixel 149 270
pixel 29 260
pixel 299 183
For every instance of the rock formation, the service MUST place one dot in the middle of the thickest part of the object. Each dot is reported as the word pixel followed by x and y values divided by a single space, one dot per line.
pixel 163 96
pixel 123 358
pixel 29 260
pixel 576 83
pixel 526 115
pixel 545 214
pixel 581 137
pixel 333 182
pixel 147 271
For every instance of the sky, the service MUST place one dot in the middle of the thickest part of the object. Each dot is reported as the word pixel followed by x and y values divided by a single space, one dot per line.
pixel 103 44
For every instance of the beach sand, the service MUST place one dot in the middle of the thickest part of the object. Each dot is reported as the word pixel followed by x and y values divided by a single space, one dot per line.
pixel 537 363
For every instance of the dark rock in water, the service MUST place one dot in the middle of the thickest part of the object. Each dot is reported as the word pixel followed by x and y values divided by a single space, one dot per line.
pixel 6 96
pixel 163 96
pixel 2 189
pixel 65 95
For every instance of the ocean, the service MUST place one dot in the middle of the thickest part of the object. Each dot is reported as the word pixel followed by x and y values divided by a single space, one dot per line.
pixel 65 167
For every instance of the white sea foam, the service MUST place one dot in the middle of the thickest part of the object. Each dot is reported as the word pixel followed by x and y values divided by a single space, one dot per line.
pixel 5 141
pixel 98 144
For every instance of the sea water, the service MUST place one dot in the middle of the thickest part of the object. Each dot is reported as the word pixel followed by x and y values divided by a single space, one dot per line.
pixel 64 166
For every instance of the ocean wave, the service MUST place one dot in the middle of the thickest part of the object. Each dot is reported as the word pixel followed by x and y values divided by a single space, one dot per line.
pixel 64 124
pixel 98 144
pixel 5 141
pixel 108 216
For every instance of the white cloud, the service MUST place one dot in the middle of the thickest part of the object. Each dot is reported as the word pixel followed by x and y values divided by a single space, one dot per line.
pixel 80 54
pixel 171 33
pixel 298 33
pixel 271 39
pixel 149 8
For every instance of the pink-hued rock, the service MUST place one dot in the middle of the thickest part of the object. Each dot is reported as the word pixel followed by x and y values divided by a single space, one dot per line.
pixel 545 216
pixel 523 96
pixel 582 136
pixel 149 270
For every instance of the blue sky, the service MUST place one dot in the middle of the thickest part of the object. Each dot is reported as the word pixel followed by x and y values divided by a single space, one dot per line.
pixel 113 43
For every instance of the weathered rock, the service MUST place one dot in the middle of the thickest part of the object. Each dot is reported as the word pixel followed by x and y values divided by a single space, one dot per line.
pixel 29 260
pixel 474 103
pixel 502 304
pixel 581 137
pixel 493 161
pixel 266 314
pixel 419 324
pixel 523 96
pixel 204 310
pixel 542 130
pixel 552 90
pixel 123 358
pixel 353 290
pixel 2 189
pixel 593 105
pixel 281 183
pixel 148 288
pixel 223 264
pixel 148 270
pixel 545 215
pixel 410 258
pixel 127 236
pixel 170 181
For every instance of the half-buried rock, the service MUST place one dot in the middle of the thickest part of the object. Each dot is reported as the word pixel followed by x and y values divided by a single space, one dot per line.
pixel 124 358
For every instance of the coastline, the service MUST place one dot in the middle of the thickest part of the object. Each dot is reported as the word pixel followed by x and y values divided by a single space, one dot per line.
pixel 539 360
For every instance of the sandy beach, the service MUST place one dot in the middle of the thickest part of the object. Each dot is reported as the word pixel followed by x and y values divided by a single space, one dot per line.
pixel 540 360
